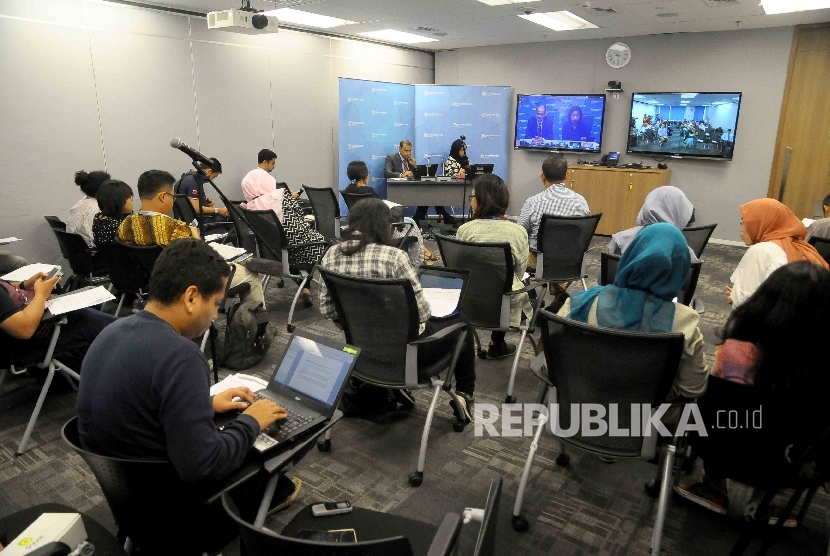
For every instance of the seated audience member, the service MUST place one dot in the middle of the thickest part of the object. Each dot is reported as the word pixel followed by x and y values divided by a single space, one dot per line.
pixel 368 253
pixel 651 272
pixel 115 199
pixel 358 174
pixel 146 395
pixel 22 305
pixel 775 237
pixel 557 200
pixel 663 134
pixel 489 201
pixel 153 226
pixel 261 193
pixel 193 183
pixel 665 204
pixel 788 310
pixel 821 227
pixel 9 262
pixel 83 212
pixel 457 161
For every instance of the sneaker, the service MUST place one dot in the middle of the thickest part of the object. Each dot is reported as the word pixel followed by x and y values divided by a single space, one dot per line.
pixel 500 351
pixel 285 494
pixel 775 513
pixel 706 495
pixel 405 398
pixel 465 401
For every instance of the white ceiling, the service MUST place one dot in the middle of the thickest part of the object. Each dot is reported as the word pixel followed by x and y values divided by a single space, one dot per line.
pixel 472 23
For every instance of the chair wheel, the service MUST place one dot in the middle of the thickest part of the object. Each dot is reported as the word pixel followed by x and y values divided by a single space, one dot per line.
pixel 520 524
pixel 482 354
pixel 415 479
pixel 652 488
pixel 458 426
pixel 510 399
pixel 290 328
pixel 281 284
pixel 324 445
pixel 562 460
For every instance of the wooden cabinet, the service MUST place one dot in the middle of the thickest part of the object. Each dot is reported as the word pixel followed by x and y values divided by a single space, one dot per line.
pixel 618 193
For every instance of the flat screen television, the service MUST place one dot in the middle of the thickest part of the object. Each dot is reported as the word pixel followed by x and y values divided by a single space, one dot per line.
pixel 559 122
pixel 699 125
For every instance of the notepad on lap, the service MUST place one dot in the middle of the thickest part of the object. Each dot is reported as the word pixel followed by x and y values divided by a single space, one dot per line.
pixel 79 299
pixel 442 301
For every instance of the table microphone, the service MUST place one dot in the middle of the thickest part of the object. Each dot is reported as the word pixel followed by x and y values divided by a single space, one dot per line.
pixel 177 143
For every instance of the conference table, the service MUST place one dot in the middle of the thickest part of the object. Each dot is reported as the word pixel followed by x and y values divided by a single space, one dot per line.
pixel 428 191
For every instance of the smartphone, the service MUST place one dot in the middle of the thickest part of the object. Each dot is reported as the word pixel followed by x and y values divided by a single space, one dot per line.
pixel 300 191
pixel 55 270
pixel 337 535
pixel 331 508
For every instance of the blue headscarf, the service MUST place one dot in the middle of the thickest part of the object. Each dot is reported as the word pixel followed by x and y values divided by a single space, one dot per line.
pixel 651 272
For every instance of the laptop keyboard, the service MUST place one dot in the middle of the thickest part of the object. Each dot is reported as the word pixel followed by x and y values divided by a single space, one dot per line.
pixel 280 430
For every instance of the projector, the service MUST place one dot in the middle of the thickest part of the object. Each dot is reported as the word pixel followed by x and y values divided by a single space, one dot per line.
pixel 242 21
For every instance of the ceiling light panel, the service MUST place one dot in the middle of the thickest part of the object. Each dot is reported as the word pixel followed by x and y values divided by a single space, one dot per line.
pixel 505 2
pixel 559 21
pixel 392 35
pixel 787 6
pixel 299 17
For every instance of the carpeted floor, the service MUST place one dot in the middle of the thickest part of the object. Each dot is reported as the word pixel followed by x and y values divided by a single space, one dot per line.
pixel 587 508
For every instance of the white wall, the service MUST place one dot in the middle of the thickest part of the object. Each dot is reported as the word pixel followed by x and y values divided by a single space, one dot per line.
pixel 88 85
pixel 727 61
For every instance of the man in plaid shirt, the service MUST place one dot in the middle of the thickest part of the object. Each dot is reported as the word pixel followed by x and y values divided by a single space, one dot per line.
pixel 557 199
pixel 370 223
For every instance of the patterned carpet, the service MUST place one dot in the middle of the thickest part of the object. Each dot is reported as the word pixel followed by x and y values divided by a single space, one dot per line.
pixel 588 508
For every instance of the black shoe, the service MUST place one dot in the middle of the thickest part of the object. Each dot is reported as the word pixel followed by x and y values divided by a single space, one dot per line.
pixel 500 351
pixel 285 494
pixel 464 413
pixel 449 219
pixel 405 398
pixel 307 301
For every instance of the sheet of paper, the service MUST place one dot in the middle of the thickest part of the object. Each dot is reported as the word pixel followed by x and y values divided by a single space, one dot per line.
pixel 442 301
pixel 7 240
pixel 88 297
pixel 390 204
pixel 236 381
pixel 26 272
pixel 807 222
pixel 215 237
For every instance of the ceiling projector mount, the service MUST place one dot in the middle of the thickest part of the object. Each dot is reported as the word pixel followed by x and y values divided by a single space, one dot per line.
pixel 243 20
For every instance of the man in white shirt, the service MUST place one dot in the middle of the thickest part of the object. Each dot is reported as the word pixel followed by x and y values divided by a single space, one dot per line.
pixel 557 199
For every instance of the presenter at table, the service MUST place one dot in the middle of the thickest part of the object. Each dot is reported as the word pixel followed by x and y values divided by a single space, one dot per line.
pixel 540 127
pixel 574 128
pixel 401 164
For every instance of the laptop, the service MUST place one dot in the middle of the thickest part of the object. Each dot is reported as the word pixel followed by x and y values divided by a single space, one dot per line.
pixel 308 382
pixel 424 171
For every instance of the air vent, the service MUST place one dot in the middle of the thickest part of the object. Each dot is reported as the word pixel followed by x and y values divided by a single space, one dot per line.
pixel 668 14
pixel 426 29
pixel 599 10
pixel 721 3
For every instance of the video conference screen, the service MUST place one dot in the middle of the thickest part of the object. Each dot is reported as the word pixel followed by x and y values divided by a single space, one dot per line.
pixel 559 122
pixel 684 124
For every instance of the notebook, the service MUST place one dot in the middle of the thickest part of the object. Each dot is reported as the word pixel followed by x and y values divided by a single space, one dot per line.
pixel 308 382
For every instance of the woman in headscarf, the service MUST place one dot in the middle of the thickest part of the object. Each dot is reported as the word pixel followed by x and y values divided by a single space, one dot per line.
pixel 457 162
pixel 664 204
pixel 261 193
pixel 775 237
pixel 651 271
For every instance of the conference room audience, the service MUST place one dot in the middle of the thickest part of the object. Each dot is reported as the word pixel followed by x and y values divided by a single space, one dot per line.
pixel 402 165
pixel 262 193
pixel 489 201
pixel 115 199
pixel 574 128
pixel 367 252
pixel 358 174
pixel 152 225
pixel 146 395
pixel 774 342
pixel 557 199
pixel 193 183
pixel 821 227
pixel 651 271
pixel 456 163
pixel 83 212
pixel 665 204
pixel 775 237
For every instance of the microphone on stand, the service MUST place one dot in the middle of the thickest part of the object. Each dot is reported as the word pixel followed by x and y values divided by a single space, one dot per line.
pixel 177 143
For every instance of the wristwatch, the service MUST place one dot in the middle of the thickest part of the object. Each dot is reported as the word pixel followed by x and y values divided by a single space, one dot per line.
pixel 215 210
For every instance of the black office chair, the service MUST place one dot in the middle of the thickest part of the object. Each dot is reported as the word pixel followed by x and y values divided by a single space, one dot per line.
pixel 353 198
pixel 608 271
pixel 75 250
pixel 326 211
pixel 594 365
pixel 55 223
pixel 698 237
pixel 380 316
pixel 245 237
pixel 822 245
pixel 183 210
pixel 127 276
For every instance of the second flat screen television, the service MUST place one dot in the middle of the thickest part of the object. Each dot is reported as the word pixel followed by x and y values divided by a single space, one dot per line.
pixel 559 122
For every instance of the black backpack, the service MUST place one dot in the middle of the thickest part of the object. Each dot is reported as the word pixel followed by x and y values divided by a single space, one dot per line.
pixel 246 338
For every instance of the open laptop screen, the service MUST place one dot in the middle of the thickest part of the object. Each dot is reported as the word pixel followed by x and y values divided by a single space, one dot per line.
pixel 314 370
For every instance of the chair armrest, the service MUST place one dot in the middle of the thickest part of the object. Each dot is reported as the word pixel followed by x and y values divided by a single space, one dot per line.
pixel 532 286
pixel 444 539
pixel 438 335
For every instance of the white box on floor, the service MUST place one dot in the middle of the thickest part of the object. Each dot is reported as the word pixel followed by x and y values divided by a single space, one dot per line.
pixel 65 528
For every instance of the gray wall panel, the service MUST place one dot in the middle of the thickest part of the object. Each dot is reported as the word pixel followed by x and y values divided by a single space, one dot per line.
pixel 125 19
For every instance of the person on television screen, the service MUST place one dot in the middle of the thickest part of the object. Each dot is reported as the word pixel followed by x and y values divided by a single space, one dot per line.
pixel 540 127
pixel 574 128
pixel 663 134
pixel 728 139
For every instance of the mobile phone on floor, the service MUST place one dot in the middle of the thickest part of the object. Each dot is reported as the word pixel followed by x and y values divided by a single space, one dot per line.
pixel 331 508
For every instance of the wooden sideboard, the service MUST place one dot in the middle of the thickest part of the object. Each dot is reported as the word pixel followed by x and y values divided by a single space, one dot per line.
pixel 618 193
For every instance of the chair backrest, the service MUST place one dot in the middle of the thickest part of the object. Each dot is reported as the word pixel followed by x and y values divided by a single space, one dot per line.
pixel 55 223
pixel 491 277
pixel 326 210
pixel 822 245
pixel 608 271
pixel 698 237
pixel 245 237
pixel 380 316
pixel 486 542
pixel 269 234
pixel 595 365
pixel 262 542
pixel 183 210
pixel 126 274
pixel 74 249
pixel 562 242
pixel 143 255
pixel 353 198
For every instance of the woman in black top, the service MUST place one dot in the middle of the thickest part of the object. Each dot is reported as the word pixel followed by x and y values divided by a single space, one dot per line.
pixel 115 199
pixel 456 164
pixel 358 174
